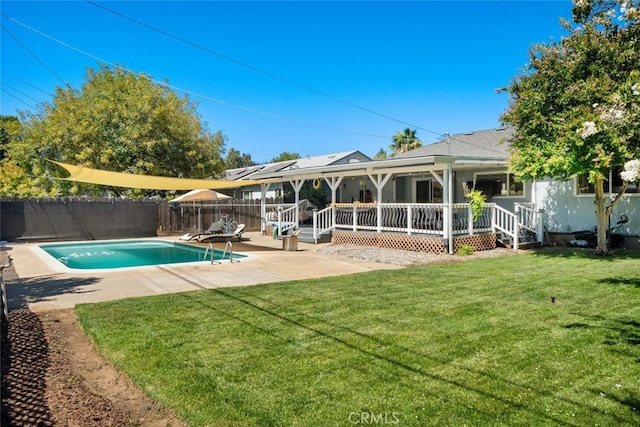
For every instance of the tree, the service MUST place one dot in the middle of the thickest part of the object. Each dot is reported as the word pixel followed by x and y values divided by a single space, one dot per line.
pixel 13 180
pixel 404 141
pixel 118 121
pixel 380 155
pixel 576 106
pixel 235 160
pixel 284 156
pixel 9 131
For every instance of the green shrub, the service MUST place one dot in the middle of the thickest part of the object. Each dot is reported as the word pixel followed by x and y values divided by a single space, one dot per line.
pixel 476 200
pixel 465 250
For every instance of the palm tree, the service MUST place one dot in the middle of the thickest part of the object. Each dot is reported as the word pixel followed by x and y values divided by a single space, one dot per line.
pixel 405 141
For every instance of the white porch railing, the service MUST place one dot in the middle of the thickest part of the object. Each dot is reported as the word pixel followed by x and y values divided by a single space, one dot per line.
pixel 428 219
pixel 531 219
pixel 463 222
pixel 287 219
pixel 322 222
pixel 507 223
pixel 411 218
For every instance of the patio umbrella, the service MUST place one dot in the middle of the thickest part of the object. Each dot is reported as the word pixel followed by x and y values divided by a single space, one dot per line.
pixel 200 195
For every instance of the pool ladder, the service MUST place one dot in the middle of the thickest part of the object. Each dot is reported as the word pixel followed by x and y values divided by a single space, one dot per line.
pixel 228 246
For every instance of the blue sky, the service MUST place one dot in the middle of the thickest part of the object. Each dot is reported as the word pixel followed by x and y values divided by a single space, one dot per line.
pixel 306 77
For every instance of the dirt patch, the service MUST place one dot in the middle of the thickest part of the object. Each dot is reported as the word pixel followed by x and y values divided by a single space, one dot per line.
pixel 52 375
pixel 407 258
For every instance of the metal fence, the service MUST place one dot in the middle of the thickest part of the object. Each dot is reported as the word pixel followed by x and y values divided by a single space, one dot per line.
pixel 194 216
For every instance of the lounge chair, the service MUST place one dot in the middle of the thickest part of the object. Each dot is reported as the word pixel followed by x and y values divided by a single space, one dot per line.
pixel 214 228
pixel 237 234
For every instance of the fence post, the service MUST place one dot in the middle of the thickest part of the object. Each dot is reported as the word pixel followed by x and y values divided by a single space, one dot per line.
pixel 5 303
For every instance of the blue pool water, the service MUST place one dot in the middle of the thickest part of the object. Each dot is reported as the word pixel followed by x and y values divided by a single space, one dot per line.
pixel 129 253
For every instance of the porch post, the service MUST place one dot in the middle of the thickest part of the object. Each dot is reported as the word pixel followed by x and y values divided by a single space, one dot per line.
pixel 380 181
pixel 447 191
pixel 263 207
pixel 297 186
pixel 333 183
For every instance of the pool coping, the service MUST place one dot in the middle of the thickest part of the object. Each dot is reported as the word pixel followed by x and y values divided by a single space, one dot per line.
pixel 41 288
pixel 57 266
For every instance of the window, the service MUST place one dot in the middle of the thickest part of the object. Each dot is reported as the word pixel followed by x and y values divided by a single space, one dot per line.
pixel 428 192
pixel 584 186
pixel 612 185
pixel 247 195
pixel 423 191
pixel 498 184
pixel 616 184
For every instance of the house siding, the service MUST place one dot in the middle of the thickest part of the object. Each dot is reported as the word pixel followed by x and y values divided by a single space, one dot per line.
pixel 566 213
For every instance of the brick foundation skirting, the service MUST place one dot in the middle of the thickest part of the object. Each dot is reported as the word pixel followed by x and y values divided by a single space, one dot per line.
pixel 416 243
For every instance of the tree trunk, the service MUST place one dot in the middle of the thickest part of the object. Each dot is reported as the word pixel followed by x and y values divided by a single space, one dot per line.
pixel 602 218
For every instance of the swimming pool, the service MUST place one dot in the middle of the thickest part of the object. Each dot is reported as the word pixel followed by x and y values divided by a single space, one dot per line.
pixel 100 255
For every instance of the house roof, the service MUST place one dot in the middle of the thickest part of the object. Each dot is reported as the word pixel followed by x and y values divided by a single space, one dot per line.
pixel 256 172
pixel 463 150
pixel 483 144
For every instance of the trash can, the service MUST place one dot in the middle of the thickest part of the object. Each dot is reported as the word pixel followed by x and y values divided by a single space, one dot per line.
pixel 290 243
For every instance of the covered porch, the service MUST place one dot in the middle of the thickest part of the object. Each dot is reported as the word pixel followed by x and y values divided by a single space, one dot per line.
pixel 441 227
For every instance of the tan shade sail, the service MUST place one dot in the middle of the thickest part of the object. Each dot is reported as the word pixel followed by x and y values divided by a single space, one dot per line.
pixel 128 180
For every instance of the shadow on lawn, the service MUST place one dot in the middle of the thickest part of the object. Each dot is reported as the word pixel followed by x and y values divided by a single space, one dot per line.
pixel 620 332
pixel 566 252
pixel 622 281
pixel 376 352
pixel 623 336
pixel 632 401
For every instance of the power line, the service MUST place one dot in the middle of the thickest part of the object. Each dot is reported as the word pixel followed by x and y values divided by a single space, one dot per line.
pixel 228 104
pixel 32 54
pixel 256 69
pixel 20 92
pixel 20 100
pixel 26 84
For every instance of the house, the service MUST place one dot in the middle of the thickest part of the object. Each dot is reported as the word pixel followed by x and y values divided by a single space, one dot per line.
pixel 568 205
pixel 417 199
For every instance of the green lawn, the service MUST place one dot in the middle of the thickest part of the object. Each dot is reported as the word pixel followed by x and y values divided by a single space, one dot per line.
pixel 476 343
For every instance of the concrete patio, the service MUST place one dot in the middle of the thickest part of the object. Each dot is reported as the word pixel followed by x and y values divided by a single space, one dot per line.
pixel 38 286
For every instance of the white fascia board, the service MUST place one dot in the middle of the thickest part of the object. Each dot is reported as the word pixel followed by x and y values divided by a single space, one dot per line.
pixel 360 168
pixel 476 161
